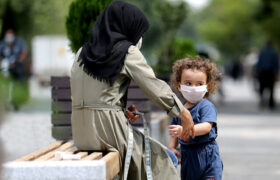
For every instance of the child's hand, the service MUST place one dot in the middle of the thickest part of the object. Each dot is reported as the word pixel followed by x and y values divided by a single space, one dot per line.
pixel 175 130
pixel 177 154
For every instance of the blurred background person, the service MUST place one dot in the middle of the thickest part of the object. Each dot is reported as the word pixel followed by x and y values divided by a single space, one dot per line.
pixel 249 64
pixel 267 71
pixel 13 52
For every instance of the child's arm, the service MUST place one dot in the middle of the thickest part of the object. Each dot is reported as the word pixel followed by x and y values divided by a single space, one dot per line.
pixel 172 145
pixel 199 129
pixel 202 128
pixel 173 142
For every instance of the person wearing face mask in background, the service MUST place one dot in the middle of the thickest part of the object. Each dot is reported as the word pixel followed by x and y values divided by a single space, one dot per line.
pixel 13 52
pixel 196 79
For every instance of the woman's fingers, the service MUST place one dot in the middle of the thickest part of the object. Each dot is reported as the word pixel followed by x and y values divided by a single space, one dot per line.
pixel 132 108
pixel 133 119
pixel 192 133
pixel 130 115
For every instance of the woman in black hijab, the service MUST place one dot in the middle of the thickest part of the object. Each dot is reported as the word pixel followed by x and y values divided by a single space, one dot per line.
pixel 100 77
pixel 118 27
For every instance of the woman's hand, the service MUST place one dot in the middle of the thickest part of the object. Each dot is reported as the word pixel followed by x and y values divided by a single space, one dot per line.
pixel 175 130
pixel 187 124
pixel 129 114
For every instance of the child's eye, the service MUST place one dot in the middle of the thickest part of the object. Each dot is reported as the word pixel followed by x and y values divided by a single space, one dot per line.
pixel 188 84
pixel 199 84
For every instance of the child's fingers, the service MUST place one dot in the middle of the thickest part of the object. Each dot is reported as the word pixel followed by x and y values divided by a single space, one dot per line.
pixel 173 133
pixel 172 126
pixel 178 154
pixel 172 130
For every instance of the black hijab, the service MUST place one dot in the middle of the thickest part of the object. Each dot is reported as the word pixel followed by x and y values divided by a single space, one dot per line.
pixel 119 25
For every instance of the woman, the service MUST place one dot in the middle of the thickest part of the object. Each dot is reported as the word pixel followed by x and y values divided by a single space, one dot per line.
pixel 100 77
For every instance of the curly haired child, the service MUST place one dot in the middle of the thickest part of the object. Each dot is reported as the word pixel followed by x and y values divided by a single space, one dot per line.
pixel 196 78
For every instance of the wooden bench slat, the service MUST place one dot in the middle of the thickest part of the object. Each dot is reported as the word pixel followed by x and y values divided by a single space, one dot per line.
pixel 82 154
pixel 60 119
pixel 112 160
pixel 40 152
pixel 62 132
pixel 61 94
pixel 62 106
pixel 136 93
pixel 93 156
pixel 50 155
pixel 141 105
pixel 60 81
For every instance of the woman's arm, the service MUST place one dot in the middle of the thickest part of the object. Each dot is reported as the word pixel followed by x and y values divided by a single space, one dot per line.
pixel 137 69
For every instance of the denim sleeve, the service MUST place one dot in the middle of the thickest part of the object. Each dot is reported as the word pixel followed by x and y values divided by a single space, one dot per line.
pixel 174 121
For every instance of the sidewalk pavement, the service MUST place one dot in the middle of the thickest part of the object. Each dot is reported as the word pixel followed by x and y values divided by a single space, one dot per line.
pixel 249 138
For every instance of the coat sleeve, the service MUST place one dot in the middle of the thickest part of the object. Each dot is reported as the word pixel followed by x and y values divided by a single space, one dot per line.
pixel 137 69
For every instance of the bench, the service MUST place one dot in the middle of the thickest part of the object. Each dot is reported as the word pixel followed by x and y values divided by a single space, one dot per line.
pixel 62 107
pixel 43 164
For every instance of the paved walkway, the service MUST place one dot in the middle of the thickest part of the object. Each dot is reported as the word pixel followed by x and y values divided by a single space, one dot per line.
pixel 249 137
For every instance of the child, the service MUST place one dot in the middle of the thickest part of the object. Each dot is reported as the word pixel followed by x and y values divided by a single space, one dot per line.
pixel 196 79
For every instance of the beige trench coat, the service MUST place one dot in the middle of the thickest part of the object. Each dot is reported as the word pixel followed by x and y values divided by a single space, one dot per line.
pixel 99 123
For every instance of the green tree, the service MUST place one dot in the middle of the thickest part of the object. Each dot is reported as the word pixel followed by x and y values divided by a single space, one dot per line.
pixel 165 18
pixel 17 16
pixel 228 25
pixel 268 18
pixel 81 17
pixel 177 48
pixel 33 17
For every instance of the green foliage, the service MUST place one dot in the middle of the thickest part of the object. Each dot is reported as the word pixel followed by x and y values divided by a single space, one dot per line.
pixel 81 17
pixel 171 15
pixel 174 50
pixel 17 16
pixel 229 25
pixel 268 17
pixel 165 18
pixel 33 17
pixel 49 16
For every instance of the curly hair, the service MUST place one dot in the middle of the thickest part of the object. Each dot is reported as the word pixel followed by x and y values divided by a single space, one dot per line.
pixel 197 63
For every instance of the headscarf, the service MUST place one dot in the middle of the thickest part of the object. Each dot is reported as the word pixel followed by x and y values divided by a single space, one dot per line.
pixel 119 25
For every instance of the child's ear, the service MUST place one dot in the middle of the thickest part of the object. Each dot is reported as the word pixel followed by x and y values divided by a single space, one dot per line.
pixel 208 86
pixel 178 86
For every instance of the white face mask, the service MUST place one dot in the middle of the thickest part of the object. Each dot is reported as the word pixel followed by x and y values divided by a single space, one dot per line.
pixel 193 94
pixel 9 38
pixel 139 44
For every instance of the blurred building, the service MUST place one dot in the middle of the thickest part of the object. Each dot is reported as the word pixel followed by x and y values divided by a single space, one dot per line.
pixel 51 56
